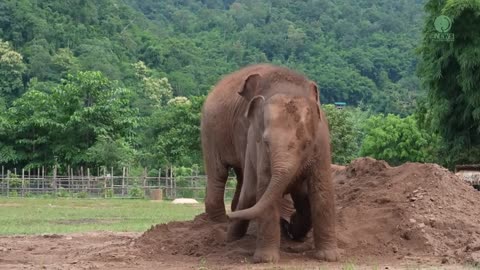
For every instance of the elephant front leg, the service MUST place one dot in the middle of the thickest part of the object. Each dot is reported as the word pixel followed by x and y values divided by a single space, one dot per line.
pixel 238 228
pixel 322 203
pixel 214 198
pixel 268 236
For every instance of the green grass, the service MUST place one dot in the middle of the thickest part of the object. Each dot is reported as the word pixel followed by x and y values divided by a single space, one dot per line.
pixel 46 216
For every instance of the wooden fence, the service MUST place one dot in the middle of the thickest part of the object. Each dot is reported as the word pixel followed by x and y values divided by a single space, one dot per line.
pixel 27 183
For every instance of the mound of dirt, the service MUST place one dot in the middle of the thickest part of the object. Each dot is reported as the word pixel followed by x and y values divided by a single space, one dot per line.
pixel 420 209
pixel 411 210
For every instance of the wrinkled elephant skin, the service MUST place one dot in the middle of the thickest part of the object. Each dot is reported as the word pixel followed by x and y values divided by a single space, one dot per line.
pixel 224 130
pixel 287 152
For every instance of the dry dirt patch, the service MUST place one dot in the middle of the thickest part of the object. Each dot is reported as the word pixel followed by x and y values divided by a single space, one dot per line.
pixel 414 215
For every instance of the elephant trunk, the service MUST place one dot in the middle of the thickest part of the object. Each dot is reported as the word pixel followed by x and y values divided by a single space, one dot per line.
pixel 281 178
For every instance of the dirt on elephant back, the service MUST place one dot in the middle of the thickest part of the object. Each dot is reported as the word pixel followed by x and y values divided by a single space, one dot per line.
pixel 406 212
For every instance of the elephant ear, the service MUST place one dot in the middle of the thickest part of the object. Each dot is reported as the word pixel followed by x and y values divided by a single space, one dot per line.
pixel 255 107
pixel 250 87
pixel 315 93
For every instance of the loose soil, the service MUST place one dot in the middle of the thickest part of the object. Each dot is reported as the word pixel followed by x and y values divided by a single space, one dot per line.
pixel 414 215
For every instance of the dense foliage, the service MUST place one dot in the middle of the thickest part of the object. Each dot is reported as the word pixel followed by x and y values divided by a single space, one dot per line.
pixel 398 140
pixel 346 132
pixel 355 50
pixel 120 83
pixel 450 72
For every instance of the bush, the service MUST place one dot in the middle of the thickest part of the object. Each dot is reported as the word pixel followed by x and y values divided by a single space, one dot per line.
pixel 108 193
pixel 81 195
pixel 398 140
pixel 136 192
pixel 62 193
pixel 345 132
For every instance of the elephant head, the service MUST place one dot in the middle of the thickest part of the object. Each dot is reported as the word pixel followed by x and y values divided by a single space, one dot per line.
pixel 284 116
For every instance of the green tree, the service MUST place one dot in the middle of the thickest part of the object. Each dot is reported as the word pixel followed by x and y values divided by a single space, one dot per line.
pixel 172 134
pixel 155 90
pixel 345 132
pixel 111 153
pixel 8 154
pixel 34 118
pixel 11 72
pixel 398 140
pixel 91 106
pixel 450 73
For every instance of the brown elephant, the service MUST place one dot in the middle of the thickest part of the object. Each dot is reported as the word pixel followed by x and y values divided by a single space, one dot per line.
pixel 224 136
pixel 288 152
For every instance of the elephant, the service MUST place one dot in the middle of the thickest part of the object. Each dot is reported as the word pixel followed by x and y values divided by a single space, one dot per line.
pixel 223 131
pixel 287 152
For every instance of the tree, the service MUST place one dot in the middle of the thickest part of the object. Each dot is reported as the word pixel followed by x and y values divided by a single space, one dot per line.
pixel 345 132
pixel 111 153
pixel 34 118
pixel 11 72
pixel 8 154
pixel 91 106
pixel 450 73
pixel 155 90
pixel 172 134
pixel 398 140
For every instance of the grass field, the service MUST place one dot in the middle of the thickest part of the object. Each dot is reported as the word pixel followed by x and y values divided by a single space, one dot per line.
pixel 45 216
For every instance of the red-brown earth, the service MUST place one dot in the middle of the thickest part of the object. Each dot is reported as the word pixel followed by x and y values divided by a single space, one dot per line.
pixel 414 215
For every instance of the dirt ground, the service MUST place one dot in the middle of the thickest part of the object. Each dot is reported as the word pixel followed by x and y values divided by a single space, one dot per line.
pixel 415 216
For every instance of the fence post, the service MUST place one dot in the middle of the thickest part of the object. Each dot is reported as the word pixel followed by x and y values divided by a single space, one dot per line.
pixel 159 177
pixel 167 190
pixel 8 183
pixel 23 182
pixel 55 185
pixel 113 179
pixel 72 180
pixel 144 180
pixel 127 173
pixel 68 176
pixel 195 183
pixel 123 181
pixel 104 185
pixel 82 181
pixel 88 179
pixel 3 177
pixel 174 191
pixel 170 183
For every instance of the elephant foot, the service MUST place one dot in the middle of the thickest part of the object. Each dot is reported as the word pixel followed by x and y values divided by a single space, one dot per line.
pixel 218 218
pixel 299 227
pixel 233 235
pixel 266 256
pixel 237 230
pixel 329 255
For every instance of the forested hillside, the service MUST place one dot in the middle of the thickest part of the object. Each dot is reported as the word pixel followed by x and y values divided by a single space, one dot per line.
pixel 358 51
pixel 86 82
